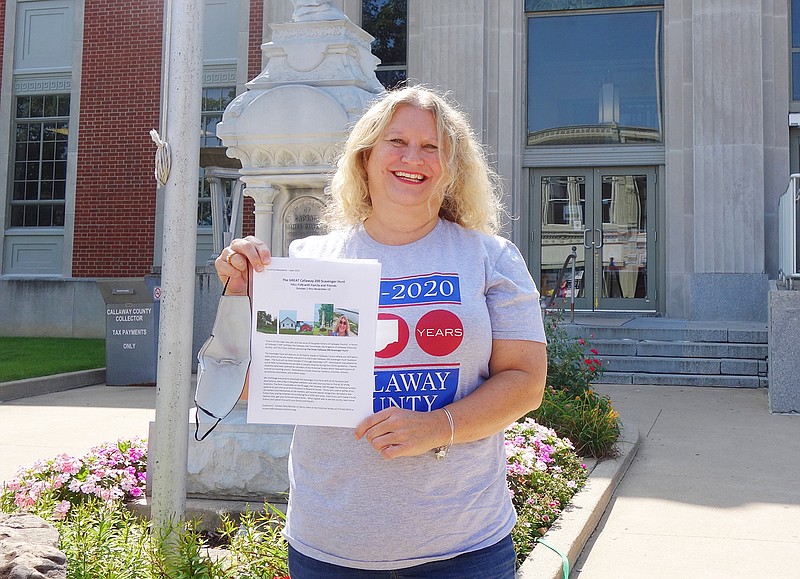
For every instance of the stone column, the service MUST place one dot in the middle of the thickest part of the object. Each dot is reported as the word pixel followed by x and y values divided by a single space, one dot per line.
pixel 715 147
pixel 263 195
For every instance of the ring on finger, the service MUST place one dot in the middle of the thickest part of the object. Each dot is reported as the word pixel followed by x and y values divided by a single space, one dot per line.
pixel 230 255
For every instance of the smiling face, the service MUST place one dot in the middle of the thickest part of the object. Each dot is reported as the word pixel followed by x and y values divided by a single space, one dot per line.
pixel 404 169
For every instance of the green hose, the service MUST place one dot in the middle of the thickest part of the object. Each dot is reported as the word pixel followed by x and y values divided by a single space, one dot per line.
pixel 564 560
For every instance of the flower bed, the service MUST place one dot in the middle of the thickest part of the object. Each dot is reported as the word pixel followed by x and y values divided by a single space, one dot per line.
pixel 110 472
pixel 84 497
pixel 543 474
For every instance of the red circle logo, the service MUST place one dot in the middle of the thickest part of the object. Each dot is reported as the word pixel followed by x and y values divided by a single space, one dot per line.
pixel 392 335
pixel 439 332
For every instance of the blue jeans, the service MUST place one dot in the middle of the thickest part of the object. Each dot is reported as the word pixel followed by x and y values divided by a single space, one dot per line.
pixel 495 562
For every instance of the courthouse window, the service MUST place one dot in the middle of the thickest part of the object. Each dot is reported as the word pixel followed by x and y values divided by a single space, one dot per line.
pixel 387 21
pixel 39 184
pixel 215 99
pixel 204 204
pixel 594 76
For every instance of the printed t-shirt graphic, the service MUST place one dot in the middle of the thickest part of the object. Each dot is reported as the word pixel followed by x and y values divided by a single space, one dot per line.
pixel 417 325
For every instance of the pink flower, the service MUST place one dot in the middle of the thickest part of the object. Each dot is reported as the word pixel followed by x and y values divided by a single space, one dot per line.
pixel 135 492
pixel 135 454
pixel 88 488
pixel 60 479
pixel 61 509
pixel 516 469
pixel 24 501
pixel 38 488
pixel 68 464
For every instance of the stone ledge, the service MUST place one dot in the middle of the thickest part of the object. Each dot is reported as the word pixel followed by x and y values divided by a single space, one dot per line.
pixel 209 512
pixel 571 531
pixel 48 384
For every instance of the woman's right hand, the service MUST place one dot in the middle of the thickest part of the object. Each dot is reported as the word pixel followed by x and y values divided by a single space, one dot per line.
pixel 234 261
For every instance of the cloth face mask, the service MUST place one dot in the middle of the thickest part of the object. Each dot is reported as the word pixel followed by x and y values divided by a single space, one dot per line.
pixel 223 362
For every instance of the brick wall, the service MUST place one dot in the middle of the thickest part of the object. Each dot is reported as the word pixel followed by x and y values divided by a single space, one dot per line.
pixel 256 38
pixel 120 91
pixel 253 68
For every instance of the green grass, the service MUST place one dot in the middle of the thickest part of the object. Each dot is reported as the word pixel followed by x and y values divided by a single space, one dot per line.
pixel 33 357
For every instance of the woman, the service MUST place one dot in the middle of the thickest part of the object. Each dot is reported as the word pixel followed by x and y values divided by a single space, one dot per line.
pixel 413 190
pixel 342 327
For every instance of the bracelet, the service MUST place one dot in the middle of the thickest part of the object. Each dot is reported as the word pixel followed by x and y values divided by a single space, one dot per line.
pixel 441 451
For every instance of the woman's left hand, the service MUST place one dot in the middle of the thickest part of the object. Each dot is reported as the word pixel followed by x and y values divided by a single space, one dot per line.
pixel 517 369
pixel 397 432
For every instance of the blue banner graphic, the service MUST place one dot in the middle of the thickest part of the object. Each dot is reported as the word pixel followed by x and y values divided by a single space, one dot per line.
pixel 420 389
pixel 435 288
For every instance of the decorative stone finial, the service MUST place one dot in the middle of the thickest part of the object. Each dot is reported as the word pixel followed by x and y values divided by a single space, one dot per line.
pixel 315 10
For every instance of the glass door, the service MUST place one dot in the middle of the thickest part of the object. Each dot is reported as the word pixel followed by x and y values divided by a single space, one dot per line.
pixel 605 218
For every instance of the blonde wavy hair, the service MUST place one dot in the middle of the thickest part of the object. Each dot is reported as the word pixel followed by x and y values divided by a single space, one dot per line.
pixel 470 188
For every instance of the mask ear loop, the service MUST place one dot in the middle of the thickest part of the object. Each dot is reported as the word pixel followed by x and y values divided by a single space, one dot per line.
pixel 197 408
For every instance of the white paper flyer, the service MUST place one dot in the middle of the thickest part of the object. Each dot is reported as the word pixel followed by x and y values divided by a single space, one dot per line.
pixel 313 341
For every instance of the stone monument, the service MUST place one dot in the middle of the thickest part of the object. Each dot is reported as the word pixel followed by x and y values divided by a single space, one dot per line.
pixel 286 131
pixel 308 10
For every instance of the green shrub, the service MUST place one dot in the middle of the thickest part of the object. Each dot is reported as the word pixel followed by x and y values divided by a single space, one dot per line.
pixel 570 405
pixel 102 541
pixel 255 545
pixel 572 364
pixel 587 419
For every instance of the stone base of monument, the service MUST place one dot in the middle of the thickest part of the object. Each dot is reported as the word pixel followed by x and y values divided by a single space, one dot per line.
pixel 237 466
pixel 209 512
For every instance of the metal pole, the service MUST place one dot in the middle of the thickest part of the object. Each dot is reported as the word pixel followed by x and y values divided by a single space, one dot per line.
pixel 181 94
pixel 572 290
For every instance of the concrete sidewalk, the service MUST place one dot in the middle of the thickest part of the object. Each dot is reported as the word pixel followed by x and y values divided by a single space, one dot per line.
pixel 712 490
pixel 71 421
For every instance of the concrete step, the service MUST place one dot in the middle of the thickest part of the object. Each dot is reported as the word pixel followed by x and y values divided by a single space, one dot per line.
pixel 671 333
pixel 719 381
pixel 680 349
pixel 677 365
pixel 656 350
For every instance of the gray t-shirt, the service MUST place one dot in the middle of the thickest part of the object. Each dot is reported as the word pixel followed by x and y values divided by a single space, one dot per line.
pixel 450 294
